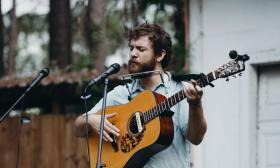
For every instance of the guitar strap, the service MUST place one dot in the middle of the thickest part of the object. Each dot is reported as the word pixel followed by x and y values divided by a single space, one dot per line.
pixel 167 113
pixel 202 77
pixel 188 77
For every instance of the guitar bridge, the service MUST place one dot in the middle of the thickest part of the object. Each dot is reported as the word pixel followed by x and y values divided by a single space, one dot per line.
pixel 135 124
pixel 138 122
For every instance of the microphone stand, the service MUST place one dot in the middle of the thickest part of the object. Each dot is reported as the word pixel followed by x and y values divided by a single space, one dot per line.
pixel 43 73
pixel 23 120
pixel 12 107
pixel 99 164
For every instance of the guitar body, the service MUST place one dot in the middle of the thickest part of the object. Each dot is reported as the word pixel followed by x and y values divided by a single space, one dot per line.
pixel 134 150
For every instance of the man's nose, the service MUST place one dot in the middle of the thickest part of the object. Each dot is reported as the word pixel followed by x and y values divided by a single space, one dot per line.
pixel 133 53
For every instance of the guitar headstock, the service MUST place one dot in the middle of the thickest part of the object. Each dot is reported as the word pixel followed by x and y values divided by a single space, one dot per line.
pixel 237 65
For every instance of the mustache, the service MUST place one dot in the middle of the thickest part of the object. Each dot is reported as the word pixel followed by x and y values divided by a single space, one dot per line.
pixel 133 61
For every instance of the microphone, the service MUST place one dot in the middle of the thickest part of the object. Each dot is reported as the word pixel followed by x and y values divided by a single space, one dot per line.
pixel 42 74
pixel 234 55
pixel 139 75
pixel 114 68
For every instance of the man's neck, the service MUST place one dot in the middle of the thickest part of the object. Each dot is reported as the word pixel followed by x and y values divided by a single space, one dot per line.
pixel 150 82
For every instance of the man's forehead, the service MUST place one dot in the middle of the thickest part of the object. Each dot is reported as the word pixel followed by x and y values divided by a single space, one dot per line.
pixel 140 41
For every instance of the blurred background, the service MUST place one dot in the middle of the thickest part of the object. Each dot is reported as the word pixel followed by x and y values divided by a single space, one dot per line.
pixel 78 39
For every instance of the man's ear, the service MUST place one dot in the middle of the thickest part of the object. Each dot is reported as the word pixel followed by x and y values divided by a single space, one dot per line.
pixel 161 56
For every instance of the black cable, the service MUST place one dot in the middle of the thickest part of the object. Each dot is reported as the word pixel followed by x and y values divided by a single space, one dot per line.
pixel 87 130
pixel 19 135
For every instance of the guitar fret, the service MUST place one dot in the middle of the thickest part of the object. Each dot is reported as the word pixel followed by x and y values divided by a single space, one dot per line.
pixel 177 97
pixel 172 101
pixel 154 114
pixel 164 106
pixel 157 108
pixel 145 117
pixel 168 103
pixel 214 75
pixel 183 95
pixel 157 112
pixel 160 108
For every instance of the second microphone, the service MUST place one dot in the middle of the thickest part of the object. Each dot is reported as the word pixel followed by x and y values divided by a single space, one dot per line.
pixel 112 69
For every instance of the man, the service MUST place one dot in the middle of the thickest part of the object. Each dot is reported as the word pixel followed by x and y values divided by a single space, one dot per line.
pixel 150 49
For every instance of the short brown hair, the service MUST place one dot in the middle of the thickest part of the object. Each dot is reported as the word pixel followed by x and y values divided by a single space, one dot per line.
pixel 159 38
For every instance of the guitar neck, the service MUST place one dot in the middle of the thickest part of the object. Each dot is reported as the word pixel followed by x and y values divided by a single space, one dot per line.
pixel 174 99
pixel 232 67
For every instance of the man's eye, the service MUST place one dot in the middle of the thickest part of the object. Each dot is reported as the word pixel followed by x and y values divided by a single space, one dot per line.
pixel 141 49
pixel 131 48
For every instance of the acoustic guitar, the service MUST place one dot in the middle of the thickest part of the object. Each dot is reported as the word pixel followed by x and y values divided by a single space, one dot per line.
pixel 145 123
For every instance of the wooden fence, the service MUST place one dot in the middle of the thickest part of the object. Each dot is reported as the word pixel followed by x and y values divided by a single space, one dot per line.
pixel 47 142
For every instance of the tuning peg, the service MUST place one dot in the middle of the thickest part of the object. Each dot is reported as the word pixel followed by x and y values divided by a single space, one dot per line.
pixel 240 74
pixel 227 79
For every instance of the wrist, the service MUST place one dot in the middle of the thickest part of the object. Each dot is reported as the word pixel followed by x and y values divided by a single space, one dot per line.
pixel 195 104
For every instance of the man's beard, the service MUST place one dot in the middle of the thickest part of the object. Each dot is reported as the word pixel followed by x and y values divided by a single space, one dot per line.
pixel 136 67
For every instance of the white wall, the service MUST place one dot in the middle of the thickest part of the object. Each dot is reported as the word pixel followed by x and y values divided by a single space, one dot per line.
pixel 248 26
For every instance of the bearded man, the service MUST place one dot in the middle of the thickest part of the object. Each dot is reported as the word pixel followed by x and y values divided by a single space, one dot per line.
pixel 150 50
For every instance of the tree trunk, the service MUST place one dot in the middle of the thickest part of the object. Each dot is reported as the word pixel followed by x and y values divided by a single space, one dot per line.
pixel 1 43
pixel 60 34
pixel 187 35
pixel 13 41
pixel 131 13
pixel 96 32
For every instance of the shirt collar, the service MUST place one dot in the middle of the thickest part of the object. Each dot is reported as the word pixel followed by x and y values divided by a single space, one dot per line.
pixel 136 86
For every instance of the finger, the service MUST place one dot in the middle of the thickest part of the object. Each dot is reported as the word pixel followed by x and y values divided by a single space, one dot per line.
pixel 107 136
pixel 189 89
pixel 109 129
pixel 112 126
pixel 199 90
pixel 110 115
pixel 105 139
pixel 194 83
pixel 187 94
pixel 192 91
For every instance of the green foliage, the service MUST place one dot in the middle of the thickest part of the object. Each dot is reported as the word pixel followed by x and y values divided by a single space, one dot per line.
pixel 116 31
pixel 31 23
pixel 83 61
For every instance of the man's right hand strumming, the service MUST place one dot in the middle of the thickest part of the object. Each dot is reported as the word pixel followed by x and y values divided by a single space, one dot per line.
pixel 94 125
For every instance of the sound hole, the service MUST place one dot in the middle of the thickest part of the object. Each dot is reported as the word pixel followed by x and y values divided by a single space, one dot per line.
pixel 133 125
